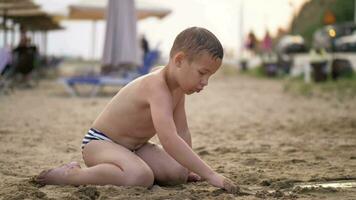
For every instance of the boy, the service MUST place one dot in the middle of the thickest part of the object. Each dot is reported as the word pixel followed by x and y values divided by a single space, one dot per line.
pixel 117 150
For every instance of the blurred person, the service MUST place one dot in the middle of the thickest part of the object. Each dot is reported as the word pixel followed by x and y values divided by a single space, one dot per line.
pixel 24 59
pixel 145 46
pixel 251 43
pixel 117 150
pixel 267 43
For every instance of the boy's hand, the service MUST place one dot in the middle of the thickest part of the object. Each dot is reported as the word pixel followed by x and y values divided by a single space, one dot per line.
pixel 220 181
pixel 193 177
pixel 230 187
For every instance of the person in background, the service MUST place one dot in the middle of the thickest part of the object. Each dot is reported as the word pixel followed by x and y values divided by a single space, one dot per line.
pixel 267 43
pixel 145 46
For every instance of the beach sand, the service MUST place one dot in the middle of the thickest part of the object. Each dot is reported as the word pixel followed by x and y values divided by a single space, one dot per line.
pixel 248 129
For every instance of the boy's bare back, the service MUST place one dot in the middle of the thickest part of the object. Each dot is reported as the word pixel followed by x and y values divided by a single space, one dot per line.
pixel 127 118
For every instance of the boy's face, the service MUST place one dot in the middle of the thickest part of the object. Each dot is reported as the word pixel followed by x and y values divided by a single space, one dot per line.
pixel 194 76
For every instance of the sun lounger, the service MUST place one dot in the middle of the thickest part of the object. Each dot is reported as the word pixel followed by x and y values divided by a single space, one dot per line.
pixel 98 81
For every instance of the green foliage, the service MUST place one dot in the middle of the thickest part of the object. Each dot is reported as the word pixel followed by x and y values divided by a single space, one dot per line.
pixel 256 72
pixel 342 89
pixel 311 16
pixel 344 10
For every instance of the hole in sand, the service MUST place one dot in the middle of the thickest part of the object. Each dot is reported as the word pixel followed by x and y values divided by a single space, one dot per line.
pixel 329 184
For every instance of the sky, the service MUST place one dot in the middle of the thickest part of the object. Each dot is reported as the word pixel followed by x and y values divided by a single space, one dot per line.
pixel 222 17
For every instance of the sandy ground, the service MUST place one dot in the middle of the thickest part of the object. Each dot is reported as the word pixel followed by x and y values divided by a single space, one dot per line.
pixel 248 129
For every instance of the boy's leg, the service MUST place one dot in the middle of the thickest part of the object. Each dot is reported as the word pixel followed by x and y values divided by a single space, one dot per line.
pixel 108 164
pixel 166 170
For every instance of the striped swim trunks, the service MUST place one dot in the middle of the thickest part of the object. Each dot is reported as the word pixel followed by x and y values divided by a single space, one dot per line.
pixel 94 135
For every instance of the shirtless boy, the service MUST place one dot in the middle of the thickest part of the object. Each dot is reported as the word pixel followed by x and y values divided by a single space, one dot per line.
pixel 117 150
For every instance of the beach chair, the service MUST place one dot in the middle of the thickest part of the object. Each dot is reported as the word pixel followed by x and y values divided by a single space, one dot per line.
pixel 5 65
pixel 99 81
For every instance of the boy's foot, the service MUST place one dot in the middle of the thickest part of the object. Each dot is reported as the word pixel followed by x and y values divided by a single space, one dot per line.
pixel 56 176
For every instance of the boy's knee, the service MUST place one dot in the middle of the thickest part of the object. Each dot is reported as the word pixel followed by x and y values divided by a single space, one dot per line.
pixel 143 178
pixel 178 175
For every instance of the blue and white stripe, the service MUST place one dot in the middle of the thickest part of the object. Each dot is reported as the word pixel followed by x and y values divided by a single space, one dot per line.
pixel 94 135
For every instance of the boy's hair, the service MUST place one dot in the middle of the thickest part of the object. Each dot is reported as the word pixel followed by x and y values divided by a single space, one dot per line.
pixel 194 41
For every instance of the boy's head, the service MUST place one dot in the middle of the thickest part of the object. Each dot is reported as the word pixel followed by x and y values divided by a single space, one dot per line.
pixel 194 41
pixel 196 55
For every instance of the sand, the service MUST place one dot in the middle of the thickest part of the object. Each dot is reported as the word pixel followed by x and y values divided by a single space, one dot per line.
pixel 248 129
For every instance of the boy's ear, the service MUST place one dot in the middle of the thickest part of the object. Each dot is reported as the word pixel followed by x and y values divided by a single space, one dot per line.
pixel 178 58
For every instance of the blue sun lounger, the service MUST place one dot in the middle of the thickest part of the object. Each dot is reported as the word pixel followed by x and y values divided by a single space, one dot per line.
pixel 99 81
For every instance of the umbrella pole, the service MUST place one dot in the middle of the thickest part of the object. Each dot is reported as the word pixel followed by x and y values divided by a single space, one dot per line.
pixel 241 27
pixel 44 43
pixel 13 35
pixel 93 40
pixel 5 28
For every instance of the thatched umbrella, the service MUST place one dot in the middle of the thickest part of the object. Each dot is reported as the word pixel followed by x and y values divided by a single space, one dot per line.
pixel 27 14
pixel 7 6
pixel 98 12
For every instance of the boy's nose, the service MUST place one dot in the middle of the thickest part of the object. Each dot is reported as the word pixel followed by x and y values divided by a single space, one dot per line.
pixel 204 82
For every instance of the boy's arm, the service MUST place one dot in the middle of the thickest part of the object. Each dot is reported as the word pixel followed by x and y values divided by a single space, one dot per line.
pixel 180 121
pixel 161 106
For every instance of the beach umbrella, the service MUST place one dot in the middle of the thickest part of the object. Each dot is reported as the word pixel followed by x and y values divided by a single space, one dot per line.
pixel 92 10
pixel 121 45
pixel 27 14
pixel 9 5
pixel 97 11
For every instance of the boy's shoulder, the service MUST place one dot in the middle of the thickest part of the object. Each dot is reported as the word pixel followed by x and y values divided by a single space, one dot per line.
pixel 155 76
pixel 153 82
pixel 154 69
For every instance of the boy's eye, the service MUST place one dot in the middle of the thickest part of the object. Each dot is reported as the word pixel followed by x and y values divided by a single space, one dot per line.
pixel 201 73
